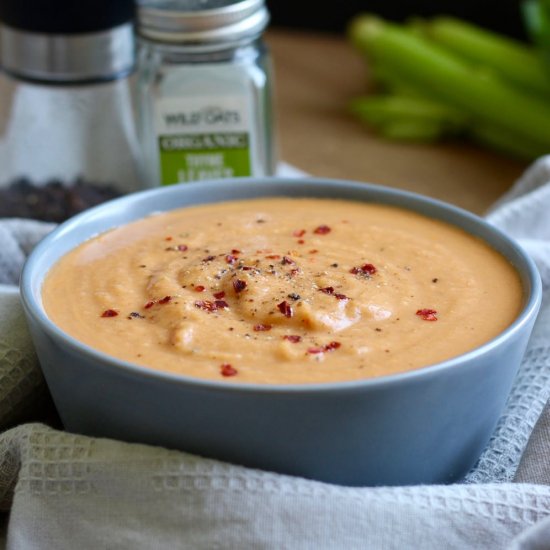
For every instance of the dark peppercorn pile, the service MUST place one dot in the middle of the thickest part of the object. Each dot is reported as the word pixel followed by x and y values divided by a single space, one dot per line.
pixel 53 202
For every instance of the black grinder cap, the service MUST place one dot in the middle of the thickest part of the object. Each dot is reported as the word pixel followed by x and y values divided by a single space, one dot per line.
pixel 66 16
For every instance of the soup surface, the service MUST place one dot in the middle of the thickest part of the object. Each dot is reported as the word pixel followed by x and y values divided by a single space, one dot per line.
pixel 284 290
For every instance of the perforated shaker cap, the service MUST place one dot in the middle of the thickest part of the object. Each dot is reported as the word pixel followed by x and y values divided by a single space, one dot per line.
pixel 201 21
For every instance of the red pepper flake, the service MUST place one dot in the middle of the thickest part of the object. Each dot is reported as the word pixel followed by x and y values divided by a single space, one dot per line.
pixel 294 338
pixel 109 313
pixel 209 306
pixel 329 347
pixel 285 308
pixel 227 370
pixel 299 233
pixel 287 261
pixel 165 300
pixel 322 230
pixel 330 290
pixel 313 251
pixel 332 346
pixel 262 328
pixel 182 247
pixel 168 239
pixel 294 272
pixel 221 304
pixel 219 295
pixel 230 259
pixel 301 241
pixel 235 251
pixel 199 288
pixel 427 314
pixel 149 305
pixel 239 285
pixel 365 270
pixel 273 257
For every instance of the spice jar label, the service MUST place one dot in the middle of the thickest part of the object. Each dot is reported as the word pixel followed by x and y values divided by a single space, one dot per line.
pixel 203 138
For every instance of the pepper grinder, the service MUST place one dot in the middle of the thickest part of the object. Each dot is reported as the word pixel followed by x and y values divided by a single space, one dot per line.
pixel 66 99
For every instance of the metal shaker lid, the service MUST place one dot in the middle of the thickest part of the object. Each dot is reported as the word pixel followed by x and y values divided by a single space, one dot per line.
pixel 67 41
pixel 201 21
pixel 66 16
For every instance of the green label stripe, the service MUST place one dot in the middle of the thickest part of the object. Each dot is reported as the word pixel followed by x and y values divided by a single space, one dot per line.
pixel 206 142
pixel 191 157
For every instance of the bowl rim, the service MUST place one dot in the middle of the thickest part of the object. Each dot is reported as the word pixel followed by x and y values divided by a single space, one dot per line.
pixel 35 310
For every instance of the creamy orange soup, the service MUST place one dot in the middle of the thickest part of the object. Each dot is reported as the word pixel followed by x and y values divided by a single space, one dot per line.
pixel 284 290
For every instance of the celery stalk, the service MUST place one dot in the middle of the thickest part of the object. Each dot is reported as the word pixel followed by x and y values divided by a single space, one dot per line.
pixel 515 61
pixel 419 132
pixel 392 82
pixel 536 15
pixel 381 109
pixel 505 142
pixel 446 76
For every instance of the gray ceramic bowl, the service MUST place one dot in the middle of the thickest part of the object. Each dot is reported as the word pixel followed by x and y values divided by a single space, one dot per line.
pixel 424 426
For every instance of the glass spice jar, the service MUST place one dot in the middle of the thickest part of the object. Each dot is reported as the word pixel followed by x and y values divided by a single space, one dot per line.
pixel 67 122
pixel 204 90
